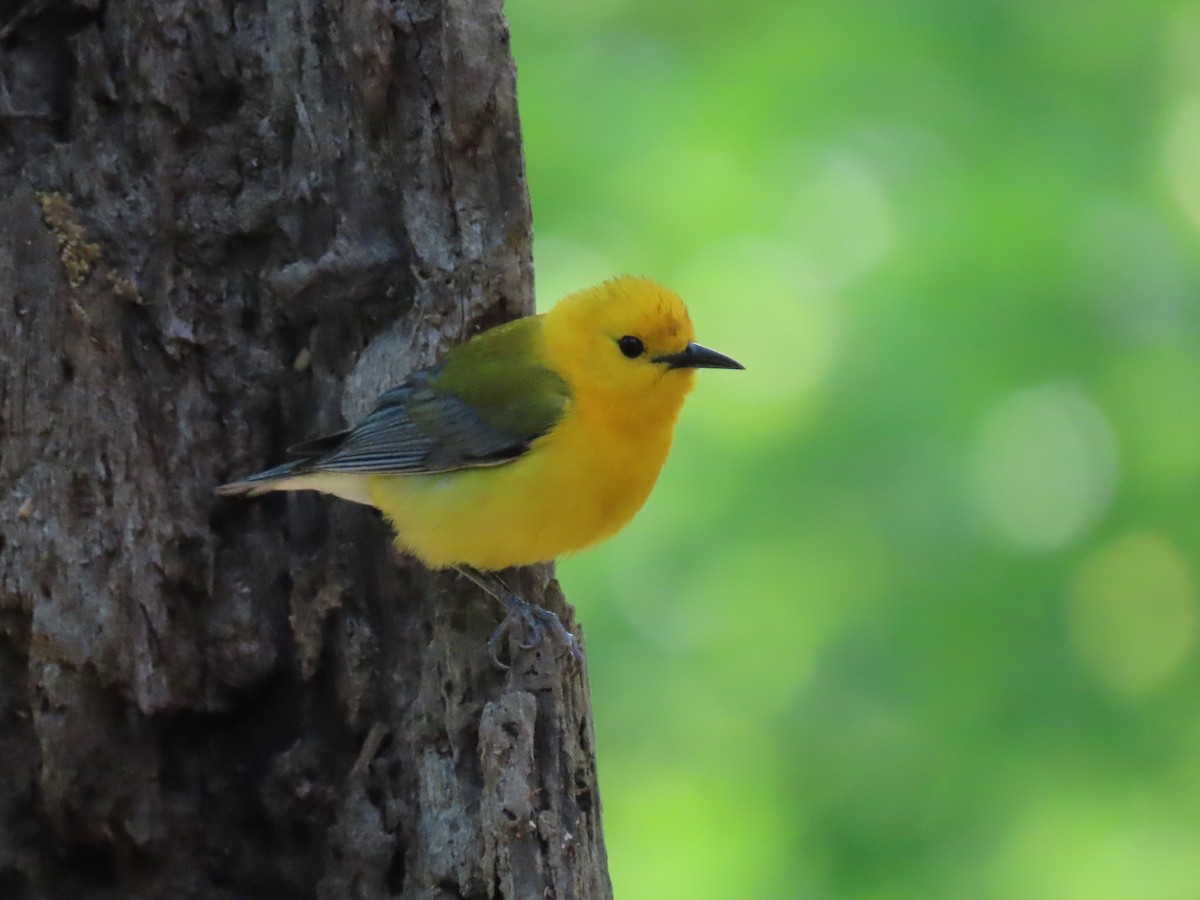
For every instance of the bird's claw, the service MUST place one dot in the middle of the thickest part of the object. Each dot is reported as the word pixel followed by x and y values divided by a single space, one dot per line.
pixel 494 641
pixel 534 621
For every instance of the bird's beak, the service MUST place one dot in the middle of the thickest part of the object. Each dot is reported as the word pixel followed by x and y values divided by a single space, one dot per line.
pixel 693 356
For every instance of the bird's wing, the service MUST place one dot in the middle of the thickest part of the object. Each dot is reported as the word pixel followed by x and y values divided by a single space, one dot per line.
pixel 484 406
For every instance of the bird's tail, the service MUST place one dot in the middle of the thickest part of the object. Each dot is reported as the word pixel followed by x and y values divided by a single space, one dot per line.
pixel 302 475
pixel 260 483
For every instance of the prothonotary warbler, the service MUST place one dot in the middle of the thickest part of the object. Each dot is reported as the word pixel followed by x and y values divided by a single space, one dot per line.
pixel 534 439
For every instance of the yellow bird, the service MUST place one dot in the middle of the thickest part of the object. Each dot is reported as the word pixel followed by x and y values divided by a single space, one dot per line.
pixel 531 440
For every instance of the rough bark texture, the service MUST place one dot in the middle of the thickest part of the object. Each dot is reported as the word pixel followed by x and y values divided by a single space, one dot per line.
pixel 226 226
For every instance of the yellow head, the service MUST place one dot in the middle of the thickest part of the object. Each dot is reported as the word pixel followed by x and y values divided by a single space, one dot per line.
pixel 627 347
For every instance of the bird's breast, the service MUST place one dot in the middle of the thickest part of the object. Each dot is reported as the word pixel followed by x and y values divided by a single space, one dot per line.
pixel 578 484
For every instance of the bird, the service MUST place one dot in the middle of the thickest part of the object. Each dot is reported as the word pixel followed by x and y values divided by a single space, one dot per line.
pixel 530 441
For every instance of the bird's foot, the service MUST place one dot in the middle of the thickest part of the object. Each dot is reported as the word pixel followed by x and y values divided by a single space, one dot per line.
pixel 534 621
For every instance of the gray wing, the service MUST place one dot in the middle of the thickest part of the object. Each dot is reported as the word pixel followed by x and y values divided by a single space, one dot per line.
pixel 439 421
pixel 425 426
pixel 415 428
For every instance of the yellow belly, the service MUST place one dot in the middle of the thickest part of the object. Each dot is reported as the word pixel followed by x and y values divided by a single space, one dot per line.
pixel 572 489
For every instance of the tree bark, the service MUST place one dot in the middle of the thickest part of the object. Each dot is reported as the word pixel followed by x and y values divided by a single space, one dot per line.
pixel 225 227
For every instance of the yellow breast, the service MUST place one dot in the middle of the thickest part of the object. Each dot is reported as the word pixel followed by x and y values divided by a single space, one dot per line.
pixel 577 485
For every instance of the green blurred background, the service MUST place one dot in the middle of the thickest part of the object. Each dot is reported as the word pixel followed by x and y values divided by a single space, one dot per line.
pixel 913 610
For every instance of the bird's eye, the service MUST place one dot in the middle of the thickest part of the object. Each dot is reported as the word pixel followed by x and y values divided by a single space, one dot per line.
pixel 631 346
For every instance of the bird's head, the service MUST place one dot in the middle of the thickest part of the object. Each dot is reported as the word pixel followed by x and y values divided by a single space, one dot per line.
pixel 629 341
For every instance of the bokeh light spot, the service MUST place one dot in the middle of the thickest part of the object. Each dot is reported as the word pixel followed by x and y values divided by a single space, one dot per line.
pixel 1133 612
pixel 1046 467
pixel 1181 157
pixel 788 345
pixel 839 212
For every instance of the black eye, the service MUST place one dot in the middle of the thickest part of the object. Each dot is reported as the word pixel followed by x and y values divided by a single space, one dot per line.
pixel 631 346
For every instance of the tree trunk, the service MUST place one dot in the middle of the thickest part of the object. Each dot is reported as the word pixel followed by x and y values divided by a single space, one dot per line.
pixel 225 227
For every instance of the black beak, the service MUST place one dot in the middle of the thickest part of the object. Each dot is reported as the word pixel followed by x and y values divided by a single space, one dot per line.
pixel 694 356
